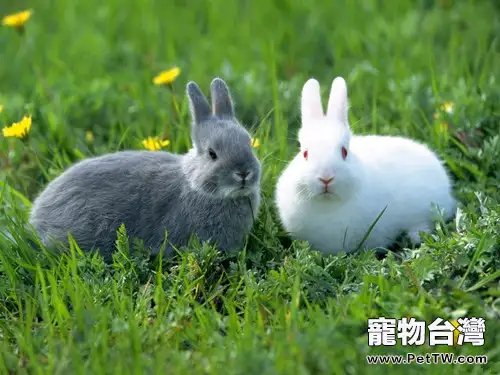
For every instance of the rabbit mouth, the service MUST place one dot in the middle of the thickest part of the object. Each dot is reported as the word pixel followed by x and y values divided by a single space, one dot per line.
pixel 242 191
pixel 243 188
pixel 236 191
pixel 328 195
pixel 325 194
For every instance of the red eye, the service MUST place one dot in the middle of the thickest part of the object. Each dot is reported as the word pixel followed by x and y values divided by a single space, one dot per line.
pixel 305 153
pixel 344 153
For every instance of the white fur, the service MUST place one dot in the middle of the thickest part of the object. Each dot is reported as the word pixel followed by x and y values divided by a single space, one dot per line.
pixel 379 171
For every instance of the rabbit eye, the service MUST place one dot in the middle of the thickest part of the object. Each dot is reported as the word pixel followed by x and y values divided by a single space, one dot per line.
pixel 212 154
pixel 306 154
pixel 344 152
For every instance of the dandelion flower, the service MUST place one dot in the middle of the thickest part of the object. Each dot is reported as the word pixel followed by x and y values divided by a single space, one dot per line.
pixel 18 129
pixel 167 77
pixel 255 142
pixel 448 107
pixel 17 19
pixel 89 136
pixel 154 143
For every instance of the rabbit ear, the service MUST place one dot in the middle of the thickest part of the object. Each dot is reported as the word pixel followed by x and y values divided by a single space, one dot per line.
pixel 311 106
pixel 222 103
pixel 337 103
pixel 198 104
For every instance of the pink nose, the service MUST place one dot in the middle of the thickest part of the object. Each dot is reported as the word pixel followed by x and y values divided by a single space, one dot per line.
pixel 326 181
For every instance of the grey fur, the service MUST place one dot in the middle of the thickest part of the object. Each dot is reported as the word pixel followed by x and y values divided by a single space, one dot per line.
pixel 151 192
pixel 222 103
pixel 198 104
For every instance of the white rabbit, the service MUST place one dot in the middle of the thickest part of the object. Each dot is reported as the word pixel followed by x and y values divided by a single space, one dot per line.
pixel 339 183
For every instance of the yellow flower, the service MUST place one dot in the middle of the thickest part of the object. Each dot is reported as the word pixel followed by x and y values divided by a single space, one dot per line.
pixel 255 142
pixel 167 76
pixel 1 108
pixel 448 107
pixel 154 143
pixel 89 136
pixel 18 129
pixel 17 19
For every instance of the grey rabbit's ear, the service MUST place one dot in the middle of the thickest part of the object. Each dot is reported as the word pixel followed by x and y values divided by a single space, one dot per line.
pixel 198 104
pixel 222 103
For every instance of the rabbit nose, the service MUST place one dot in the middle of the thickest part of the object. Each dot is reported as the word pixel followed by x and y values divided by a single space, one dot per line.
pixel 241 176
pixel 326 181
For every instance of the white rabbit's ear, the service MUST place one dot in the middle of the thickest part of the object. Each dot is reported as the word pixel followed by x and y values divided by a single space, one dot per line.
pixel 311 107
pixel 337 103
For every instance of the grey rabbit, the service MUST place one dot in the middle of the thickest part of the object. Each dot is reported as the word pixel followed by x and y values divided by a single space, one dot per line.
pixel 212 191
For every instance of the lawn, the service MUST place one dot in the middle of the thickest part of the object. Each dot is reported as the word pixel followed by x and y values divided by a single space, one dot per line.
pixel 84 71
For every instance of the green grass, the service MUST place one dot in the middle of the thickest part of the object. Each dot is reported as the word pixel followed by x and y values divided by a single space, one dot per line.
pixel 278 307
